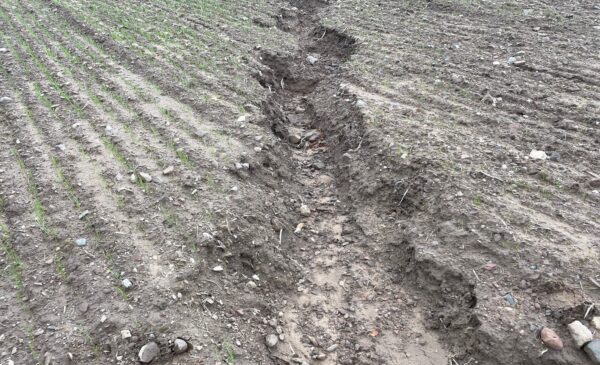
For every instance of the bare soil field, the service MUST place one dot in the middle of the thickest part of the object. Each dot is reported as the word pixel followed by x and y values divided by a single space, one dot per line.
pixel 299 182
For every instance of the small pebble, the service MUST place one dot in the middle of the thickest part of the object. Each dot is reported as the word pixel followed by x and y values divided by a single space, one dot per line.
pixel 145 176
pixel 551 339
pixel 168 170
pixel 271 340
pixel 125 334
pixel 180 346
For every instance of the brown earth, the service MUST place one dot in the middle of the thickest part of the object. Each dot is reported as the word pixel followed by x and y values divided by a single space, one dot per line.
pixel 351 177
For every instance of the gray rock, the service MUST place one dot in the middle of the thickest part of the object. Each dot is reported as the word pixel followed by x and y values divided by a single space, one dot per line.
pixel 126 283
pixel 311 59
pixel 511 60
pixel 580 333
pixel 510 299
pixel 180 346
pixel 361 104
pixel 555 156
pixel 81 242
pixel 149 352
pixel 271 340
pixel 3 50
pixel 5 100
pixel 592 349
pixel 294 135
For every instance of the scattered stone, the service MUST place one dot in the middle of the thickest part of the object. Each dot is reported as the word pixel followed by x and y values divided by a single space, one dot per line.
pixel 149 352
pixel 103 318
pixel 146 177
pixel 271 340
pixel 510 299
pixel 321 356
pixel 251 284
pixel 311 59
pixel 294 135
pixel 511 60
pixel 596 323
pixel 38 332
pixel 580 333
pixel 133 178
pixel 538 155
pixel 551 339
pixel 255 277
pixel 332 348
pixel 81 242
pixel 84 214
pixel 304 210
pixel 3 50
pixel 180 346
pixel 61 147
pixel 168 170
pixel 218 268
pixel 592 349
pixel 361 104
pixel 555 156
pixel 125 334
pixel 5 100
pixel 126 283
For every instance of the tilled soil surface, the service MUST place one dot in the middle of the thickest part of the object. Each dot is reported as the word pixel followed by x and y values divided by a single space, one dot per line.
pixel 303 182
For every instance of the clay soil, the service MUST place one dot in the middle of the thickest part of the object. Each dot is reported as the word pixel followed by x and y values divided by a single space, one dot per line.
pixel 353 178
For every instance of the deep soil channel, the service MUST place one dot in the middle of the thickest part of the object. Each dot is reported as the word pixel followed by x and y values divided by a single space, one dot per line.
pixel 350 308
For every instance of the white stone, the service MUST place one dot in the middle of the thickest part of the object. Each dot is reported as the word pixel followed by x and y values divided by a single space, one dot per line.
pixel 304 210
pixel 271 340
pixel 125 334
pixel 146 177
pixel 538 155
pixel 596 323
pixel 580 333
pixel 168 170
pixel 180 346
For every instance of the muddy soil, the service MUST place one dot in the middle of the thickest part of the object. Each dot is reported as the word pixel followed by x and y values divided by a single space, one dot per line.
pixel 303 182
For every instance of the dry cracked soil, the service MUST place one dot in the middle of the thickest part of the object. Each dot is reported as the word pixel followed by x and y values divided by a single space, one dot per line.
pixel 298 182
